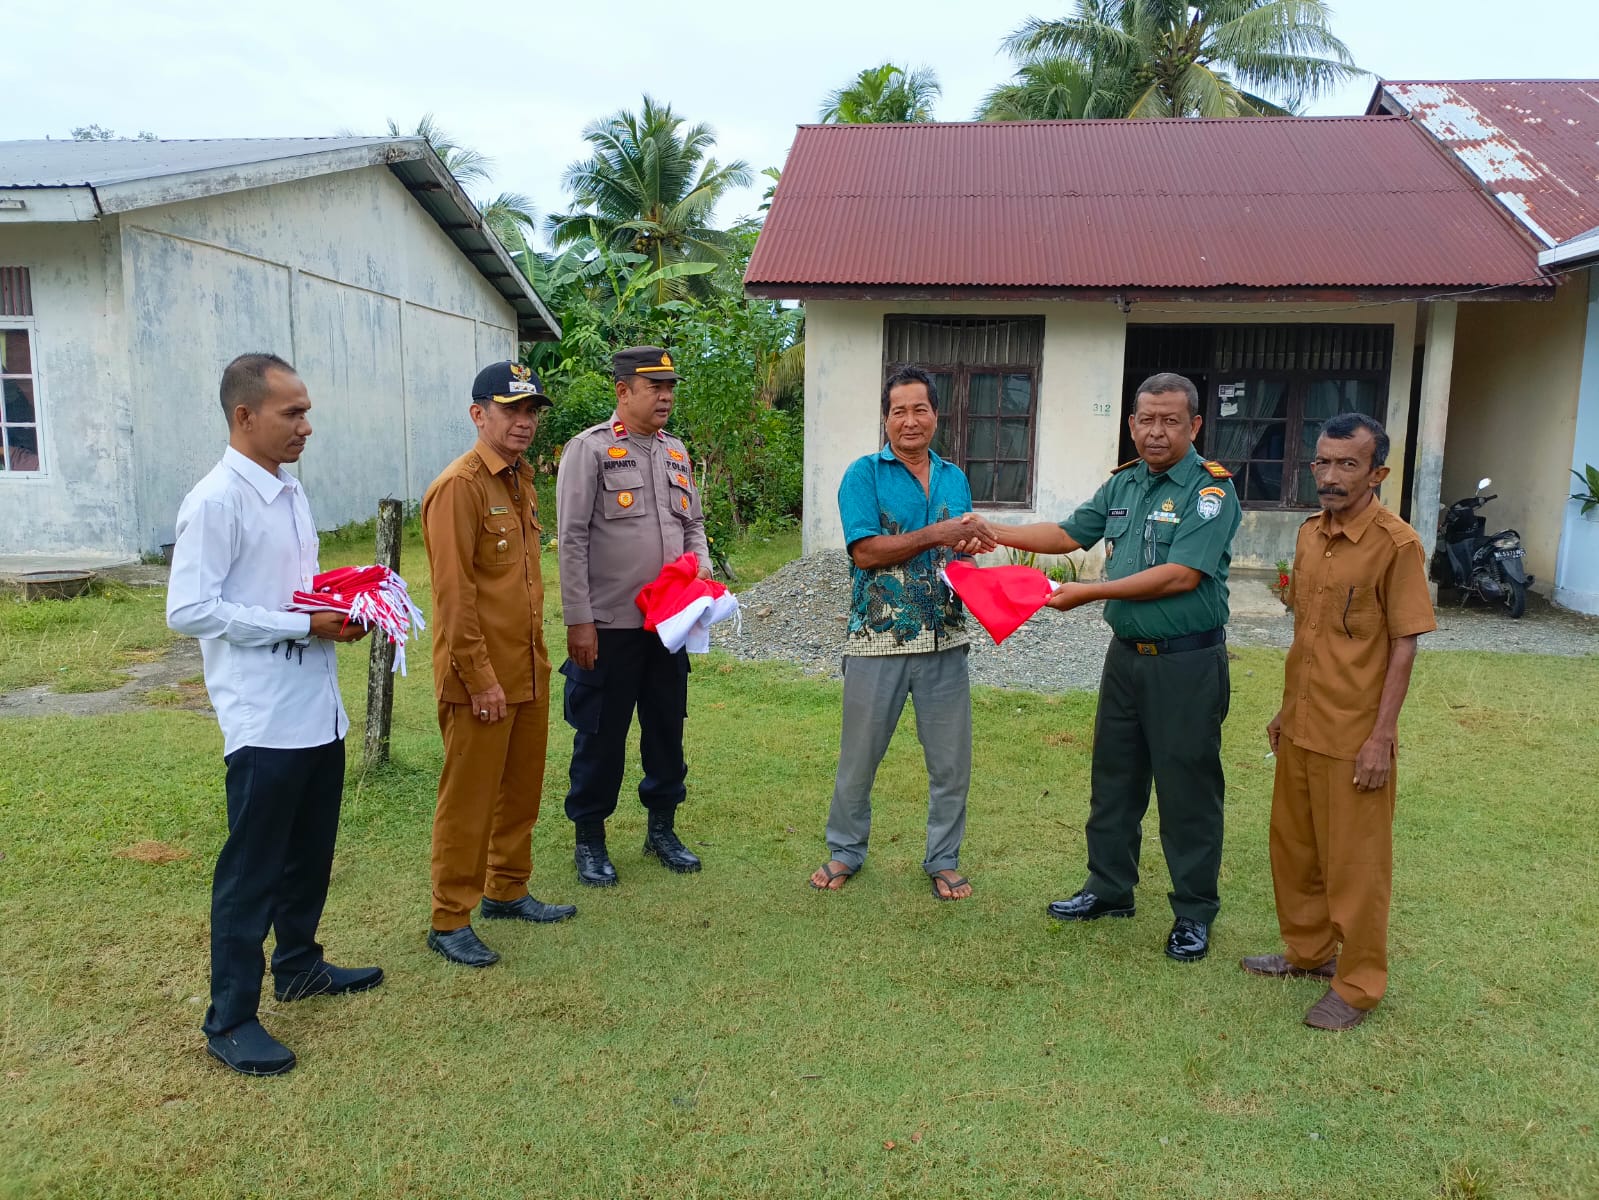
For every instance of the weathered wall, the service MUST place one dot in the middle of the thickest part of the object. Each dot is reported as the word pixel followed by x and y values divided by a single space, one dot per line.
pixel 81 503
pixel 1577 569
pixel 1513 412
pixel 346 276
pixel 1079 418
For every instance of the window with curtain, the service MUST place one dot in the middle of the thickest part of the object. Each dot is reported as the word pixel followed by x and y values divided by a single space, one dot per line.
pixel 19 415
pixel 986 374
pixel 1265 391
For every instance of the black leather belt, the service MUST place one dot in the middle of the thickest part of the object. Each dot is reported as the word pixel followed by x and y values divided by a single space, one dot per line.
pixel 1192 641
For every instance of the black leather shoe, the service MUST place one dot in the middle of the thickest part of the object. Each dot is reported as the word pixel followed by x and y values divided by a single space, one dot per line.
pixel 594 865
pixel 461 946
pixel 526 909
pixel 1189 940
pixel 1085 906
pixel 250 1050
pixel 662 841
pixel 326 980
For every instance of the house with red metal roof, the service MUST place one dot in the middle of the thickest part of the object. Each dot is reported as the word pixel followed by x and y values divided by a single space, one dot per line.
pixel 1524 404
pixel 1294 268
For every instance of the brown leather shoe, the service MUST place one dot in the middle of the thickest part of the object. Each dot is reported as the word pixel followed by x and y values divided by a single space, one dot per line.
pixel 1278 966
pixel 1333 1012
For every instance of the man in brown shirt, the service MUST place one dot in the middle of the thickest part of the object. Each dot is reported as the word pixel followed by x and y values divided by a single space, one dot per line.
pixel 1359 595
pixel 490 669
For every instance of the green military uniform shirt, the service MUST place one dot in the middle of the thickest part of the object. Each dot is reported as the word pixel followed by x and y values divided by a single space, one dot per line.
pixel 1187 514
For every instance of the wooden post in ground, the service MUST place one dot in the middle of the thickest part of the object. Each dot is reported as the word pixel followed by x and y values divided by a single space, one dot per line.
pixel 380 667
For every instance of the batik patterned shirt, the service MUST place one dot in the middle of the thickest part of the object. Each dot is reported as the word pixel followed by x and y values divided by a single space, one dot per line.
pixel 906 608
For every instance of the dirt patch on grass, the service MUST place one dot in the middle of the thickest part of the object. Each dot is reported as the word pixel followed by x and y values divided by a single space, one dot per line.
pixel 165 679
pixel 155 853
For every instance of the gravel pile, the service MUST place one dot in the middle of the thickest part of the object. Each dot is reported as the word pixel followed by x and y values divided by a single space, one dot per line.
pixel 799 615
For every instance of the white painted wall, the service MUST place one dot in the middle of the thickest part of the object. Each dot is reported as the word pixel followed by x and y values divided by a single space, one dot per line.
pixel 81 504
pixel 1084 355
pixel 344 275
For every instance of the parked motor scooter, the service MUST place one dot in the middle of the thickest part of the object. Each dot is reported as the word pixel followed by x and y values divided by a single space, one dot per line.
pixel 1491 567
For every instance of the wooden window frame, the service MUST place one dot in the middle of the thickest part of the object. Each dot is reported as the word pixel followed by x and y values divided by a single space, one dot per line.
pixel 954 419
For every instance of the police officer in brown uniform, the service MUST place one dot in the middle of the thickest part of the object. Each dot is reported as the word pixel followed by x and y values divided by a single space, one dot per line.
pixel 626 505
pixel 490 668
pixel 1360 599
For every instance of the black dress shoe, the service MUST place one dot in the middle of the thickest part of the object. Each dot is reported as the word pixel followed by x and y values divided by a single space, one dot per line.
pixel 250 1050
pixel 662 841
pixel 525 909
pixel 1085 906
pixel 462 946
pixel 325 979
pixel 594 865
pixel 1189 940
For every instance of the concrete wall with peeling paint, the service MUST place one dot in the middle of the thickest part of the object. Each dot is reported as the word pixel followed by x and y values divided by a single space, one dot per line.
pixel 1513 413
pixel 80 502
pixel 345 275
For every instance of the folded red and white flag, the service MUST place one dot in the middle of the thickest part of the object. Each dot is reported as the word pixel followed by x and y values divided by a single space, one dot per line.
pixel 369 596
pixel 1001 598
pixel 680 607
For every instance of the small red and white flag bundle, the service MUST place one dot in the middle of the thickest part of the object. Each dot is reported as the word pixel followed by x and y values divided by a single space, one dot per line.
pixel 369 596
pixel 1001 598
pixel 680 608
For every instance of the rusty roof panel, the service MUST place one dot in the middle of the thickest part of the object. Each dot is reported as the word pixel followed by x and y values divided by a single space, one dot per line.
pixel 1349 202
pixel 1533 144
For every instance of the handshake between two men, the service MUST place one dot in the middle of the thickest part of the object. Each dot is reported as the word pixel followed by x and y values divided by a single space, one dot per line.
pixel 974 534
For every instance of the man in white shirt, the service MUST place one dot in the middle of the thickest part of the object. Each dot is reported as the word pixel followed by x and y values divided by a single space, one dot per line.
pixel 245 544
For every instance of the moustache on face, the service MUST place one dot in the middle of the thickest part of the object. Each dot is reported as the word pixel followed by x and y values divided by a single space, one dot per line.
pixel 1331 491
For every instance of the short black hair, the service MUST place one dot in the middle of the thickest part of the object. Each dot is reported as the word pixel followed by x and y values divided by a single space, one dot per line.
pixel 1345 425
pixel 244 381
pixel 902 375
pixel 1166 381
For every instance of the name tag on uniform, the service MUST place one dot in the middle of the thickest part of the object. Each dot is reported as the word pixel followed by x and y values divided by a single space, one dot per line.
pixel 1117 512
pixel 498 512
pixel 620 464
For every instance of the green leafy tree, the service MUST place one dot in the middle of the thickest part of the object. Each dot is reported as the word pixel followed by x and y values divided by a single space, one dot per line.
pixel 1194 58
pixel 651 187
pixel 882 95
pixel 98 133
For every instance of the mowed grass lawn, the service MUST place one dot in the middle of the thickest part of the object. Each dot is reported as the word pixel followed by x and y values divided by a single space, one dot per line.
pixel 735 1033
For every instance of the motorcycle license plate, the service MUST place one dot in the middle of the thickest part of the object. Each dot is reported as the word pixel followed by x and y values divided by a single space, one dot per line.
pixel 1510 553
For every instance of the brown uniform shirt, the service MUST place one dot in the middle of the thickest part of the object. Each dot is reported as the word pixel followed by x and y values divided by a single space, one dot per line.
pixel 625 506
pixel 488 590
pixel 1353 592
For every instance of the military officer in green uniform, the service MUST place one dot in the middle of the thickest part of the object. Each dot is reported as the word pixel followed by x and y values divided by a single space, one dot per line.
pixel 1168 520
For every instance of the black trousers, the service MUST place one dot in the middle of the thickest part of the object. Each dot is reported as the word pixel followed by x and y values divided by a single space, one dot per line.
pixel 1159 720
pixel 283 817
pixel 633 671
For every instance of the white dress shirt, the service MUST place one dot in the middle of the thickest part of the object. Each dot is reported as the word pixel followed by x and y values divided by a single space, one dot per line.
pixel 246 544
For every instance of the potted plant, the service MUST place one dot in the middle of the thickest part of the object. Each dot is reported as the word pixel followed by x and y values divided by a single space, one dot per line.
pixel 1279 586
pixel 1588 496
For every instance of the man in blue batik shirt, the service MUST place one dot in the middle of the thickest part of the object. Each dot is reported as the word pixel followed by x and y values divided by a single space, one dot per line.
pixel 906 513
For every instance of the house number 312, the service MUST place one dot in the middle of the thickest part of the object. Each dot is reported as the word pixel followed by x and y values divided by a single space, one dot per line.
pixel 1102 410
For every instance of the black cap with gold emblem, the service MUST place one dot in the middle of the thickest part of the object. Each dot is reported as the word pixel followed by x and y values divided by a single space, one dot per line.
pixel 647 362
pixel 508 382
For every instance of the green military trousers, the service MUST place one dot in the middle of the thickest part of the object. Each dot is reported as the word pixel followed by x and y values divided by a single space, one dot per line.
pixel 1159 720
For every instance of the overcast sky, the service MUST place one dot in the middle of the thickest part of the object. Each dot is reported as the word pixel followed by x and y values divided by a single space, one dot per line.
pixel 519 82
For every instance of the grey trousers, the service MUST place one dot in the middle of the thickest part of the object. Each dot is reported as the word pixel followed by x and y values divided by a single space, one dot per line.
pixel 874 696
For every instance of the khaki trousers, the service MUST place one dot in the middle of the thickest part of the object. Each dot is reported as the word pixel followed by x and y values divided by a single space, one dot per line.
pixel 489 793
pixel 1332 867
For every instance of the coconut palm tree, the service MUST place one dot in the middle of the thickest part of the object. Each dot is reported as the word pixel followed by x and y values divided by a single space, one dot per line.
pixel 879 95
pixel 651 187
pixel 1045 89
pixel 1195 58
pixel 466 164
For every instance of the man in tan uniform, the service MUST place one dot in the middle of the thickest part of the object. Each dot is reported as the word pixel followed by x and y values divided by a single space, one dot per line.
pixel 1359 595
pixel 627 506
pixel 490 669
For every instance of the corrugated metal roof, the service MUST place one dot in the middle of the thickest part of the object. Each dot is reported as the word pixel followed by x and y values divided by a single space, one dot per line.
pixel 49 163
pixel 1034 208
pixel 1533 143
pixel 126 175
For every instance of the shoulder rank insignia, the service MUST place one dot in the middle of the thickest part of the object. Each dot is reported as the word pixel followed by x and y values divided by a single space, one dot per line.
pixel 618 429
pixel 1217 471
pixel 1132 462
